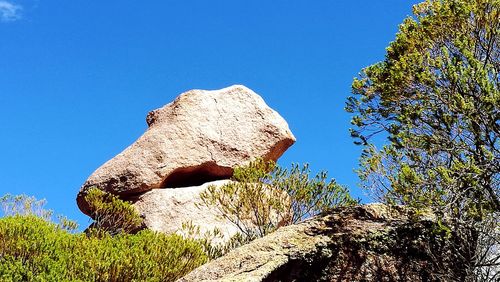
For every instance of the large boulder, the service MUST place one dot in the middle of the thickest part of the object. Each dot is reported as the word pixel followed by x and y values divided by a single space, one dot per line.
pixel 363 243
pixel 199 137
pixel 166 210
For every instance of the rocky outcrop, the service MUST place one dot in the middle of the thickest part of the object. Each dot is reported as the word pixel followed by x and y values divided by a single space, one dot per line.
pixel 199 137
pixel 165 210
pixel 364 243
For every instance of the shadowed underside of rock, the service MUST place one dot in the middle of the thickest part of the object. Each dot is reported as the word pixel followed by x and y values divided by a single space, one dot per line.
pixel 364 243
pixel 199 137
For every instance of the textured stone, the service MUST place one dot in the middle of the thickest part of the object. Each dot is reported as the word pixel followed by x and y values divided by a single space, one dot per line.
pixel 165 210
pixel 199 137
pixel 363 243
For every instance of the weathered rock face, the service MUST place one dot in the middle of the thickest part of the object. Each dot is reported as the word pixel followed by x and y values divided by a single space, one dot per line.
pixel 199 137
pixel 365 243
pixel 165 210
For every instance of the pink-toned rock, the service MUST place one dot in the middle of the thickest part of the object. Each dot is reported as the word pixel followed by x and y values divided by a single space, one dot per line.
pixel 199 137
pixel 166 210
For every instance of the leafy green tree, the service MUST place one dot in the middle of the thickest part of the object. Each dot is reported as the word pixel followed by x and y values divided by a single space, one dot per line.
pixel 436 97
pixel 264 197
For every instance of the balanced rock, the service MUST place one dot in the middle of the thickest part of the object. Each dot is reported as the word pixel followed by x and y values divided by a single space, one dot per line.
pixel 199 137
pixel 166 210
pixel 363 243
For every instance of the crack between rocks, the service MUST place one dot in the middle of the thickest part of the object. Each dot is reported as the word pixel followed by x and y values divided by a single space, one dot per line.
pixel 256 267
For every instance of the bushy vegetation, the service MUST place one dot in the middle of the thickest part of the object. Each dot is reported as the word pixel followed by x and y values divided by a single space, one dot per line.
pixel 111 214
pixel 33 248
pixel 264 197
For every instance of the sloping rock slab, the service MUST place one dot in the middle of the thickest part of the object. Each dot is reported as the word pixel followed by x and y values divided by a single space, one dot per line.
pixel 364 243
pixel 199 137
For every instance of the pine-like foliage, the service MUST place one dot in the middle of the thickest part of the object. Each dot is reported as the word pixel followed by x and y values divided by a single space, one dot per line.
pixel 436 97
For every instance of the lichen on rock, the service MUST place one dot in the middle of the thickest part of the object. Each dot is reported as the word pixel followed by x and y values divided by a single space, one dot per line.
pixel 364 243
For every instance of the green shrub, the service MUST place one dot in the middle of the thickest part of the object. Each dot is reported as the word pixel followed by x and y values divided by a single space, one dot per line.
pixel 112 214
pixel 34 249
pixel 265 197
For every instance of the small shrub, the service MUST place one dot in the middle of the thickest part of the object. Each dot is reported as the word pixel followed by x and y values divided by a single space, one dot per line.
pixel 265 197
pixel 309 196
pixel 111 214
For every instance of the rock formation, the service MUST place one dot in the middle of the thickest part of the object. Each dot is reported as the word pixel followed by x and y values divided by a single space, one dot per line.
pixel 364 243
pixel 198 138
pixel 165 210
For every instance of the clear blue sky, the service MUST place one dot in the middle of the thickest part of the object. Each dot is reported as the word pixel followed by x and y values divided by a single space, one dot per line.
pixel 77 78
